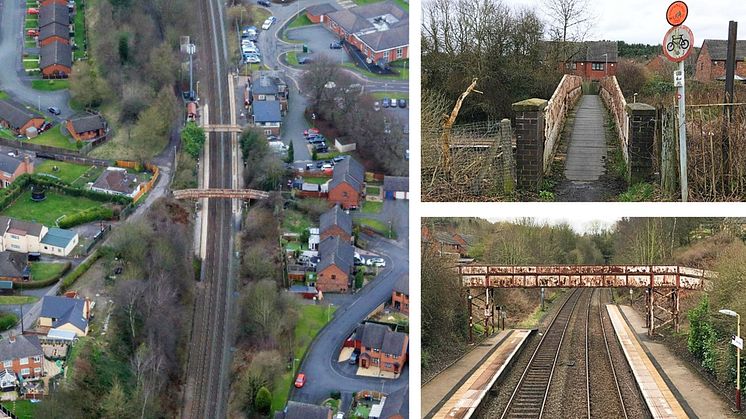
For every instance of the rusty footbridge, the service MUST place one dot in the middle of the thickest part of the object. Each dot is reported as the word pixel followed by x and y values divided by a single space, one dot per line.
pixel 220 193
pixel 662 284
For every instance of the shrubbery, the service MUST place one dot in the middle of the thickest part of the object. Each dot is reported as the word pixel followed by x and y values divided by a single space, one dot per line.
pixel 7 320
pixel 86 216
pixel 73 276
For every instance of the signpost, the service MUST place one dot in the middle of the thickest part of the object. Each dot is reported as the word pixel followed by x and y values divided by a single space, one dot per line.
pixel 737 342
pixel 678 44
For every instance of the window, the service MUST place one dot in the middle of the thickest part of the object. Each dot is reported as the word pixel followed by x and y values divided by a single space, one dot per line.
pixel 7 364
pixel 37 370
pixel 574 66
pixel 386 55
pixel 399 52
pixel 388 365
pixel 261 97
pixel 394 356
pixel 15 246
pixel 334 276
pixel 267 132
pixel 13 236
pixel 376 350
pixel 376 361
pixel 597 67
pixel 25 371
pixel 24 361
pixel 37 359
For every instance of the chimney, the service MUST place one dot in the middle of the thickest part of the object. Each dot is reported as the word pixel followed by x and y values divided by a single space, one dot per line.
pixel 12 338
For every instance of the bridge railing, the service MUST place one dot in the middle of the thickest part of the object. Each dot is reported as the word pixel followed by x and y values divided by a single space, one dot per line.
pixel 564 98
pixel 615 102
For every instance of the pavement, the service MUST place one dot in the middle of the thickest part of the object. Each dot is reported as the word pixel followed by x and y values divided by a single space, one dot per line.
pixel 13 79
pixel 318 39
pixel 587 150
pixel 698 394
pixel 323 373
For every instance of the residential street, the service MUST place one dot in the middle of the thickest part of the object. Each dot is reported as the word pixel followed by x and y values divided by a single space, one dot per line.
pixel 320 365
pixel 12 77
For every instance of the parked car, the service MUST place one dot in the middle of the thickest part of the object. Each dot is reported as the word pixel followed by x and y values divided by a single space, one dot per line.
pixel 338 159
pixel 402 103
pixel 376 106
pixel 300 381
pixel 305 60
pixel 386 102
pixel 336 45
pixel 252 59
pixel 353 359
pixel 54 110
pixel 310 131
pixel 267 23
pixel 322 148
pixel 264 3
pixel 309 166
pixel 327 166
pixel 376 261
pixel 319 164
pixel 32 11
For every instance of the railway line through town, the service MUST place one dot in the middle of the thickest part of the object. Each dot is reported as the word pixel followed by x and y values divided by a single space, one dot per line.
pixel 574 368
pixel 206 380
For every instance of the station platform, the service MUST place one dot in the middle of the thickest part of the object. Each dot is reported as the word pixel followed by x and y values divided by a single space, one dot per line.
pixel 658 397
pixel 459 389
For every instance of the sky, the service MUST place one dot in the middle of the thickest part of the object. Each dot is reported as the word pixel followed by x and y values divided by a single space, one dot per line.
pixel 644 21
pixel 579 224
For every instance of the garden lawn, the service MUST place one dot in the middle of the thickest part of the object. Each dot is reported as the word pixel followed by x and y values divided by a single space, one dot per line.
pixel 23 409
pixel 48 211
pixel 372 207
pixel 42 271
pixel 295 222
pixel 50 85
pixel 53 137
pixel 310 321
pixel 30 64
pixel 316 180
pixel 18 299
pixel 378 226
pixel 401 3
pixel 67 172
pixel 373 190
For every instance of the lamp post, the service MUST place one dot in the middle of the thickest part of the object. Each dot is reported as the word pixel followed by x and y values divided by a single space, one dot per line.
pixel 606 63
pixel 471 321
pixel 294 361
pixel 732 313
pixel 328 311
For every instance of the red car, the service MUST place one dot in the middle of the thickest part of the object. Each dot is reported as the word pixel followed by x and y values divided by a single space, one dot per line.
pixel 32 32
pixel 32 11
pixel 310 131
pixel 300 380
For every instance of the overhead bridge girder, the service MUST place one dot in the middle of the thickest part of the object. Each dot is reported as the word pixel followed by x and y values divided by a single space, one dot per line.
pixel 220 193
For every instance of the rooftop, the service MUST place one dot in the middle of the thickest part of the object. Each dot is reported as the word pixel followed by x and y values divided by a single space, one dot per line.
pixel 20 347
pixel 58 237
pixel 88 123
pixel 15 114
pixel 56 53
pixel 266 111
pixel 334 251
pixel 64 310
pixel 348 170
pixel 336 216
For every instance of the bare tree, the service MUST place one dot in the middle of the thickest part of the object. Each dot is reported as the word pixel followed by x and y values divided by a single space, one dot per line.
pixel 571 20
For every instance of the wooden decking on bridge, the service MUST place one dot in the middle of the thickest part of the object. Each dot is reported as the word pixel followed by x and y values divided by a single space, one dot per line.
pixel 459 390
pixel 220 193
pixel 587 149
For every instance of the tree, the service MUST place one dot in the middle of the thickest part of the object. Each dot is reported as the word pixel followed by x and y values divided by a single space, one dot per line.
pixel 291 154
pixel 124 48
pixel 263 401
pixel 571 19
pixel 193 137
pixel 631 76
pixel 359 278
pixel 86 87
pixel 116 404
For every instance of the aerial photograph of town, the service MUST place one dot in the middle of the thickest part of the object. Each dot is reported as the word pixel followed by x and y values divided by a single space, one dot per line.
pixel 204 209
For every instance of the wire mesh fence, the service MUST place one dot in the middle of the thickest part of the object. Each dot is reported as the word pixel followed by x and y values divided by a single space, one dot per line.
pixel 479 165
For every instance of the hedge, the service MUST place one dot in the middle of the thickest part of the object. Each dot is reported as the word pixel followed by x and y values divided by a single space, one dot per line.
pixel 73 191
pixel 86 216
pixel 42 284
pixel 73 276
pixel 14 190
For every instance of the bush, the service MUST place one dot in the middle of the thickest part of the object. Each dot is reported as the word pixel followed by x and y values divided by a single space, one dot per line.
pixel 86 216
pixel 263 401
pixel 193 138
pixel 336 395
pixel 7 321
pixel 56 184
pixel 359 278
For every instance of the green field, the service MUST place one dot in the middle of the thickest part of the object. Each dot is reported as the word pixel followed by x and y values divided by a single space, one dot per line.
pixel 24 409
pixel 43 271
pixel 48 211
pixel 390 95
pixel 69 172
pixel 401 3
pixel 312 318
pixel 50 85
pixel 53 137
pixel 17 299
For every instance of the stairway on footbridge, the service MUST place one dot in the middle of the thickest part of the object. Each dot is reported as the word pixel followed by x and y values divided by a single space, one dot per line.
pixel 539 125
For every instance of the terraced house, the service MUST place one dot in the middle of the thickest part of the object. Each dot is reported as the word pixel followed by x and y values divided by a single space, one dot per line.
pixel 336 222
pixel 55 55
pixel 380 31
pixel 347 184
pixel 336 263
pixel 23 356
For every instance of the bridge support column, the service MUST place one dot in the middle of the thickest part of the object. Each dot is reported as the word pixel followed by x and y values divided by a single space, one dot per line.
pixel 640 146
pixel 529 131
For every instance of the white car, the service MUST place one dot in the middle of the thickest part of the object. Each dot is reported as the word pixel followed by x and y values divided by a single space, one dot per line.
pixel 267 23
pixel 252 59
pixel 377 262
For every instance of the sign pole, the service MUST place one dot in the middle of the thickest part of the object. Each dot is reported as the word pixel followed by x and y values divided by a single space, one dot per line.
pixel 738 366
pixel 682 136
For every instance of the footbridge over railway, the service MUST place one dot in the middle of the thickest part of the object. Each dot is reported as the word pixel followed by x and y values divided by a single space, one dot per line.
pixel 220 193
pixel 662 285
pixel 539 124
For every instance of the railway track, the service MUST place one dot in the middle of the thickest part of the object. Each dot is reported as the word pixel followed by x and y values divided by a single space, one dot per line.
pixel 205 394
pixel 530 395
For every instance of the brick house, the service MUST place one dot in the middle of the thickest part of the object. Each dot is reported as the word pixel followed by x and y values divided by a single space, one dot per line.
pixel 347 184
pixel 56 60
pixel 380 31
pixel 711 60
pixel 270 88
pixel 400 295
pixel 62 313
pixel 295 410
pixel 23 355
pixel 381 347
pixel 335 265
pixel 267 116
pixel 14 267
pixel 54 32
pixel 53 12
pixel 317 13
pixel 17 118
pixel 87 127
pixel 336 222
pixel 11 168
pixel 592 60
pixel 117 181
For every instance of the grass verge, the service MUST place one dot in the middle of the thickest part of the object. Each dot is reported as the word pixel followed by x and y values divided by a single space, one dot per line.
pixel 50 85
pixel 371 207
pixel 299 21
pixel 378 226
pixel 18 299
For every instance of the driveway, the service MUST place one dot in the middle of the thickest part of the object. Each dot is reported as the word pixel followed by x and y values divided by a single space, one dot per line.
pixel 13 79
pixel 323 372
pixel 318 39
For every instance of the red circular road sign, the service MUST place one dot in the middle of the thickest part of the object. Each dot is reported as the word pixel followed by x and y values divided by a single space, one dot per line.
pixel 676 13
pixel 678 43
